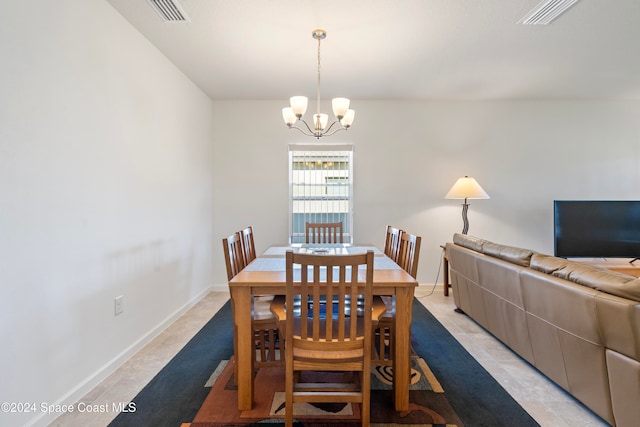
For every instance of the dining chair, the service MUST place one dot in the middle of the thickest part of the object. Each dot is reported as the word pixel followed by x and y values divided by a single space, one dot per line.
pixel 265 333
pixel 264 323
pixel 392 243
pixel 382 335
pixel 409 254
pixel 325 232
pixel 327 337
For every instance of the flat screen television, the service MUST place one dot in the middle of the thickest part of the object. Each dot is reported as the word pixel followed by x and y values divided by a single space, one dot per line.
pixel 596 229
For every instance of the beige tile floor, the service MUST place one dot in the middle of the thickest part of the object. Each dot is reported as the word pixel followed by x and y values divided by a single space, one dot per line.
pixel 549 405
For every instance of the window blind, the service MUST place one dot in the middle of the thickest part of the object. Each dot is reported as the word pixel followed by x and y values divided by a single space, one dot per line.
pixel 320 188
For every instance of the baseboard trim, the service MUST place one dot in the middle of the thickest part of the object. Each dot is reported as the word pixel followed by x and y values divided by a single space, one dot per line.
pixel 75 394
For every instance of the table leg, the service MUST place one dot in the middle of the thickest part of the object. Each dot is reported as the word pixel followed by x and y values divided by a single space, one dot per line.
pixel 242 312
pixel 401 358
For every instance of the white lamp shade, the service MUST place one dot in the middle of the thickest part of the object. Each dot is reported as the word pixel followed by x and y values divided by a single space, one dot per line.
pixel 466 188
pixel 299 105
pixel 289 116
pixel 347 120
pixel 320 122
pixel 340 107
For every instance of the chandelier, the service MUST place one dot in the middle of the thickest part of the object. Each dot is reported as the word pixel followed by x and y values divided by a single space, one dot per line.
pixel 293 115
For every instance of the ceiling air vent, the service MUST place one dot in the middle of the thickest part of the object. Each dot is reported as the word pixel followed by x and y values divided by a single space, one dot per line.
pixel 546 12
pixel 169 10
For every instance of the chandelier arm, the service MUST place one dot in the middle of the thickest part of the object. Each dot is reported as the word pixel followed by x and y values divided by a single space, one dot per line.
pixel 326 132
pixel 302 131
pixel 307 132
pixel 337 130
pixel 311 132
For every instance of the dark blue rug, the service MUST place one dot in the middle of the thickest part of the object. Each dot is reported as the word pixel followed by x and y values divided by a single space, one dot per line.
pixel 175 395
pixel 475 395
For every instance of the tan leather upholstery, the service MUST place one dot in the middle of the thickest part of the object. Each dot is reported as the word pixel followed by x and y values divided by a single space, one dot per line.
pixel 578 324
pixel 624 379
pixel 547 263
pixel 507 253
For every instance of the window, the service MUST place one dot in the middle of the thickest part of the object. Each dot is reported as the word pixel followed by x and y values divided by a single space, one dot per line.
pixel 320 188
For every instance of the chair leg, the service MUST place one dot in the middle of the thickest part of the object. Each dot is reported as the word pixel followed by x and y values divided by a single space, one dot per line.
pixel 272 346
pixel 381 334
pixel 261 344
pixel 385 342
pixel 288 418
pixel 366 396
pixel 392 343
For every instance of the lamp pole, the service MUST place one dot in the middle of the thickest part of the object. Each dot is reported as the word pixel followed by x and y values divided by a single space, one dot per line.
pixel 465 220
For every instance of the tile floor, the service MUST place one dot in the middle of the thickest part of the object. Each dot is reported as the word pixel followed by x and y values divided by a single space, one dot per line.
pixel 547 403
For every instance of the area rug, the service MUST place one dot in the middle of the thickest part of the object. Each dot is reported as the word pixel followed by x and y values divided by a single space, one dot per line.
pixel 469 397
pixel 429 407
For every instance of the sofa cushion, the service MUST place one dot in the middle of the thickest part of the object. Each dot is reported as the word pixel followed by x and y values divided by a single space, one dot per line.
pixel 601 279
pixel 511 254
pixel 570 267
pixel 630 289
pixel 469 242
pixel 547 263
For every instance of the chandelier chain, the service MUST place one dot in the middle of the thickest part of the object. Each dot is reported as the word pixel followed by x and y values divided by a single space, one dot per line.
pixel 318 99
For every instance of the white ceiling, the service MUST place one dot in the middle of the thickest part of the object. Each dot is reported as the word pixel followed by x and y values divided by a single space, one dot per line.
pixel 400 49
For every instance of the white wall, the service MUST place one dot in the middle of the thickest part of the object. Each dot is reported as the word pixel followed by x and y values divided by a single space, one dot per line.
pixel 408 154
pixel 110 185
pixel 105 190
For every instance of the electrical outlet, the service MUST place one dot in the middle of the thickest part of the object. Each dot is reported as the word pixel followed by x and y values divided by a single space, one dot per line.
pixel 119 305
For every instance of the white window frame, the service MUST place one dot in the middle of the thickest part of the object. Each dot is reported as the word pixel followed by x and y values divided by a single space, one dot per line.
pixel 331 209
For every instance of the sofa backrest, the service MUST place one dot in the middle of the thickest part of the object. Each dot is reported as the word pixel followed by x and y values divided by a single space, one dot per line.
pixel 600 279
pixel 511 254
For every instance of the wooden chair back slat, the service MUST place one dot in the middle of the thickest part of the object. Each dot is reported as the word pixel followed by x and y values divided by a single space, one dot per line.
pixel 409 253
pixel 392 243
pixel 233 258
pixel 248 245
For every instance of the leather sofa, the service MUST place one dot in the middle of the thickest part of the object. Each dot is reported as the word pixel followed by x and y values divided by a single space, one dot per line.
pixel 579 325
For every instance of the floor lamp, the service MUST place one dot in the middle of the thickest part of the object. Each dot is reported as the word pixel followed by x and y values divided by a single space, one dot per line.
pixel 466 188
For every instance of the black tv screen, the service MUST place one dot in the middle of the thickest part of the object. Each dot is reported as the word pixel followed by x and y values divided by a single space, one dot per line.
pixel 596 229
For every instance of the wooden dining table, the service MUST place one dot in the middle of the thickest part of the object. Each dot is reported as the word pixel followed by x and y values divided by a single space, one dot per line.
pixel 265 275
